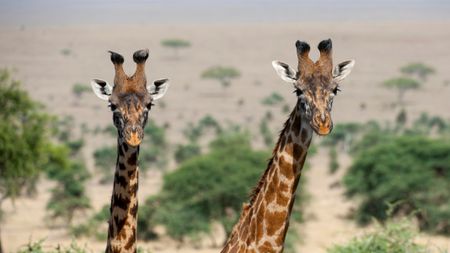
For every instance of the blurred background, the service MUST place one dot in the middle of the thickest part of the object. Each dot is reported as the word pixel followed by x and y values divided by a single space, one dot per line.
pixel 380 180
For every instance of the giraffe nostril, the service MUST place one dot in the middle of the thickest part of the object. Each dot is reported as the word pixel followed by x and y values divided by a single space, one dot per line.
pixel 322 117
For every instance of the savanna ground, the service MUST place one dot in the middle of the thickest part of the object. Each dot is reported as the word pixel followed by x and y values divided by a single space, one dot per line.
pixel 49 60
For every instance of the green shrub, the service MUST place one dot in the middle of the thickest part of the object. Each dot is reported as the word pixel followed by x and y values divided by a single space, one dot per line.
pixel 79 88
pixel 186 152
pixel 193 132
pixel 426 125
pixel 401 84
pixel 334 163
pixel 25 142
pixel 66 51
pixel 95 226
pixel 222 74
pixel 394 237
pixel 39 247
pixel 175 44
pixel 153 151
pixel 266 133
pixel 204 187
pixel 419 69
pixel 110 130
pixel 411 170
pixel 273 99
pixel 69 196
pixel 344 135
pixel 105 161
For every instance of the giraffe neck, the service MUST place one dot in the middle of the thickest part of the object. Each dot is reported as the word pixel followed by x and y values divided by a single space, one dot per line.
pixel 124 203
pixel 264 222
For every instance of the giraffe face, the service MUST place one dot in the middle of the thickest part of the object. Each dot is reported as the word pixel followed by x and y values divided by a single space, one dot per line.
pixel 130 114
pixel 130 100
pixel 316 84
pixel 316 100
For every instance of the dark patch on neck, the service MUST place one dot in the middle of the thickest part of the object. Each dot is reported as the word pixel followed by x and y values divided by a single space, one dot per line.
pixel 120 150
pixel 120 202
pixel 132 160
pixel 122 166
pixel 121 180
pixel 134 210
pixel 125 147
pixel 119 222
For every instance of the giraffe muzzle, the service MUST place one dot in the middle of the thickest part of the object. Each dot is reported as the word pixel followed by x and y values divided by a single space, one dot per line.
pixel 322 124
pixel 134 136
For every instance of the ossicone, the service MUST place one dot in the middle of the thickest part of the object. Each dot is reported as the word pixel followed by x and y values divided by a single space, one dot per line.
pixel 116 58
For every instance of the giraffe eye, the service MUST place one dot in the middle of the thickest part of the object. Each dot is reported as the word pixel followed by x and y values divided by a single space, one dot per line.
pixel 113 107
pixel 336 90
pixel 298 92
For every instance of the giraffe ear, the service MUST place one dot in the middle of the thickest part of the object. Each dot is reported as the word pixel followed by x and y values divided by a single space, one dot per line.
pixel 101 88
pixel 342 70
pixel 285 72
pixel 158 88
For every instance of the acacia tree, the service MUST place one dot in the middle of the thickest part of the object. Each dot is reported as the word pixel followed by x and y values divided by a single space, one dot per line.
pixel 419 69
pixel 175 44
pixel 222 74
pixel 78 89
pixel 410 171
pixel 401 84
pixel 24 139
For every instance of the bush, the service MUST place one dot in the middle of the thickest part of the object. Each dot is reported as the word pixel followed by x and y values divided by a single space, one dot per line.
pixel 334 163
pixel 96 226
pixel 105 161
pixel 410 170
pixel 39 247
pixel 266 133
pixel 186 152
pixel 175 44
pixel 154 147
pixel 79 88
pixel 223 74
pixel 395 237
pixel 193 132
pixel 273 99
pixel 207 188
pixel 419 69
pixel 69 196
pixel 402 84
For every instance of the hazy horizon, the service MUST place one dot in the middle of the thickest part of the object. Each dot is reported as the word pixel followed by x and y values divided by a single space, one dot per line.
pixel 53 12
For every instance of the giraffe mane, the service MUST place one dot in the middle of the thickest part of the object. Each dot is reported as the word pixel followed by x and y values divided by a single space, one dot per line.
pixel 254 193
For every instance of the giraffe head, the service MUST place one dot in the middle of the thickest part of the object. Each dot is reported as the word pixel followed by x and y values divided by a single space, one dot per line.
pixel 130 99
pixel 315 83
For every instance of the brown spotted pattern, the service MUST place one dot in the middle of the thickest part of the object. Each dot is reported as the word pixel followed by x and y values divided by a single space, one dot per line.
pixel 264 222
pixel 124 204
pixel 130 103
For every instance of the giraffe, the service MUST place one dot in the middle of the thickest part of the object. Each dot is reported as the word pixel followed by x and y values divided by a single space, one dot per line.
pixel 130 100
pixel 264 221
